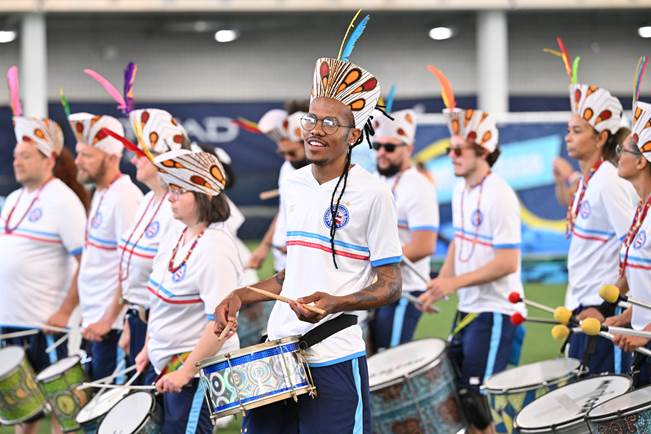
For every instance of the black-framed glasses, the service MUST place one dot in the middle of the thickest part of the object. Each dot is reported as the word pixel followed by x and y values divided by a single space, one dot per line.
pixel 329 124
pixel 620 149
pixel 388 147
pixel 177 191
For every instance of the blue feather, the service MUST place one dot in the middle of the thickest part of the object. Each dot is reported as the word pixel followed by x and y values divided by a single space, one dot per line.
pixel 388 102
pixel 357 33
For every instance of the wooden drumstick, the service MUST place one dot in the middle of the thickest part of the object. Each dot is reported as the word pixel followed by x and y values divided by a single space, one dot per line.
pixel 269 194
pixel 229 326
pixel 284 299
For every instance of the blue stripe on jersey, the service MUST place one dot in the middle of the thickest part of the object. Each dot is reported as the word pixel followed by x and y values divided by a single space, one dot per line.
pixel 635 258
pixel 594 231
pixel 123 242
pixel 424 228
pixel 41 233
pixel 507 246
pixel 167 292
pixel 339 360
pixel 385 261
pixel 76 252
pixel 107 243
pixel 327 240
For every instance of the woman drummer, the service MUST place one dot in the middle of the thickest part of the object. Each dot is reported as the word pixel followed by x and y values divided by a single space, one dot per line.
pixel 196 266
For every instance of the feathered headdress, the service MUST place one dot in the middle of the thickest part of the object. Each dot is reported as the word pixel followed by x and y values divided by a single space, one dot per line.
pixel 125 100
pixel 641 124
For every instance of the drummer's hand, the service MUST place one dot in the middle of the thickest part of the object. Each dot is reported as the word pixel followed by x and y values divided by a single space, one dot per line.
pixel 142 360
pixel 590 312
pixel 226 312
pixel 438 288
pixel 630 343
pixel 96 331
pixel 58 319
pixel 328 302
pixel 426 300
pixel 615 321
pixel 174 381
pixel 125 338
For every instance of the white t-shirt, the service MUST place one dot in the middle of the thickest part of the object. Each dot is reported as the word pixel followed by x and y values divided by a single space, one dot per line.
pixel 366 237
pixel 418 210
pixel 481 226
pixel 602 223
pixel 182 303
pixel 37 256
pixel 280 233
pixel 139 244
pixel 638 273
pixel 112 212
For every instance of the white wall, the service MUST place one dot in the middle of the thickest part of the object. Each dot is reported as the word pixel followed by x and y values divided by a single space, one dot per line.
pixel 274 58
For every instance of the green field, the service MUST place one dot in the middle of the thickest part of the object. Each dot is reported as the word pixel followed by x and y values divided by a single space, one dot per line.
pixel 538 344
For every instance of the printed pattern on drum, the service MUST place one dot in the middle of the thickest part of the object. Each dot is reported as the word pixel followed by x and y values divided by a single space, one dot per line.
pixel 20 397
pixel 626 414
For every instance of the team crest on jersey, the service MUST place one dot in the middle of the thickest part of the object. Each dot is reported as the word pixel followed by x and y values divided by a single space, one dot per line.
pixel 179 274
pixel 476 217
pixel 341 220
pixel 35 215
pixel 96 221
pixel 586 210
pixel 152 229
pixel 640 240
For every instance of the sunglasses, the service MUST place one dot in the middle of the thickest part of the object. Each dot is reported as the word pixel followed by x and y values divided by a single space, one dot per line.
pixel 456 150
pixel 388 147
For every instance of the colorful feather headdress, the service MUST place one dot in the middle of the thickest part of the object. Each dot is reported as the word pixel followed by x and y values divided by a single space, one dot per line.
pixel 475 126
pixel 403 125
pixel 641 124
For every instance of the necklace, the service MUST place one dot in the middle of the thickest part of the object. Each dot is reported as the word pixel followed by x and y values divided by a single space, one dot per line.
pixel 638 219
pixel 99 206
pixel 473 243
pixel 573 212
pixel 170 265
pixel 9 229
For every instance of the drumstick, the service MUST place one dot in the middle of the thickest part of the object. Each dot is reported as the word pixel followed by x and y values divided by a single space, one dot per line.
pixel 57 343
pixel 20 334
pixel 561 332
pixel 229 326
pixel 417 302
pixel 284 299
pixel 412 267
pixel 269 194
pixel 115 386
pixel 108 378
pixel 514 297
pixel 45 326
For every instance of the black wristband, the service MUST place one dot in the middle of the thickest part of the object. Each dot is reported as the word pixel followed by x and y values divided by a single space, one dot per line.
pixel 607 309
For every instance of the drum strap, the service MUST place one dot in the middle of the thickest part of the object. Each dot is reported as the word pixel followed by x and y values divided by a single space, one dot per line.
pixel 327 329
pixel 464 322
pixel 590 348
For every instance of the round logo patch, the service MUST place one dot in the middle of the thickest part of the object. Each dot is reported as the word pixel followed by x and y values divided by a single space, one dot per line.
pixel 640 240
pixel 180 274
pixel 476 217
pixel 96 221
pixel 341 220
pixel 152 229
pixel 35 214
pixel 586 210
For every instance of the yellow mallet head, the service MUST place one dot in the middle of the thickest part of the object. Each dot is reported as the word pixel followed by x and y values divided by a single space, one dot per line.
pixel 591 326
pixel 562 314
pixel 560 332
pixel 610 293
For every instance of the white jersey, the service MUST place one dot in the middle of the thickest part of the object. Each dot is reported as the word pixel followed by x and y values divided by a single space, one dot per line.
pixel 112 211
pixel 182 303
pixel 279 238
pixel 418 210
pixel 638 274
pixel 486 217
pixel 138 247
pixel 366 237
pixel 601 224
pixel 38 245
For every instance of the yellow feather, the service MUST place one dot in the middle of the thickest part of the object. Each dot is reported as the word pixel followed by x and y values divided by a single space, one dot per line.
pixel 350 26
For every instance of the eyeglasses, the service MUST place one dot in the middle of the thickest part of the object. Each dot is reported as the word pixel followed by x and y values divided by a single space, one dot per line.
pixel 177 191
pixel 620 149
pixel 388 147
pixel 329 124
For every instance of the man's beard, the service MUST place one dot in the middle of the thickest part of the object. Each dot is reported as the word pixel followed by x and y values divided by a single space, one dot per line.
pixel 93 178
pixel 300 163
pixel 389 171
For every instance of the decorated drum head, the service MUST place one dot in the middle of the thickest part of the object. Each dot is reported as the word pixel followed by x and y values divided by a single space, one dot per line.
pixel 100 405
pixel 128 415
pixel 10 357
pixel 568 404
pixel 621 405
pixel 403 360
pixel 57 368
pixel 532 375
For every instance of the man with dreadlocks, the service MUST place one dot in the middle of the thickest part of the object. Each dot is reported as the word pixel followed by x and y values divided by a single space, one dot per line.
pixel 342 242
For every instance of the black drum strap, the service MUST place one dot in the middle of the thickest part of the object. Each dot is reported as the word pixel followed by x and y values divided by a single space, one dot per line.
pixel 327 329
pixel 590 348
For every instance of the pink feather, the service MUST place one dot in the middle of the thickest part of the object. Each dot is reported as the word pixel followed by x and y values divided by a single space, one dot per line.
pixel 108 87
pixel 12 82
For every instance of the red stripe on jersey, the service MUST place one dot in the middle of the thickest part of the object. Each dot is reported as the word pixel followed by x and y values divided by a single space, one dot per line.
pixel 590 237
pixel 326 249
pixel 474 240
pixel 90 243
pixel 640 266
pixel 133 252
pixel 31 237
pixel 170 301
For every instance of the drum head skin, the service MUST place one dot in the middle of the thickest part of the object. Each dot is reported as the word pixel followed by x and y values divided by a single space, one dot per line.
pixel 532 375
pixel 10 357
pixel 100 405
pixel 403 360
pixel 570 403
pixel 622 405
pixel 58 368
pixel 128 415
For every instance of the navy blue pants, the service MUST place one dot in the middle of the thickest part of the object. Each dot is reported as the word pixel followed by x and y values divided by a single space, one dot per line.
pixel 482 348
pixel 105 356
pixel 138 334
pixel 186 412
pixel 35 346
pixel 642 364
pixel 342 405
pixel 395 323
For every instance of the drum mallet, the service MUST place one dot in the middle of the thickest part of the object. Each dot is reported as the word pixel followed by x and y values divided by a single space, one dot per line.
pixel 561 332
pixel 514 298
pixel 517 319
pixel 417 302
pixel 592 327
pixel 613 295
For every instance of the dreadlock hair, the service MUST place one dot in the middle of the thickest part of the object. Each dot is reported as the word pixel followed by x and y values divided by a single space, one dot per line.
pixel 367 132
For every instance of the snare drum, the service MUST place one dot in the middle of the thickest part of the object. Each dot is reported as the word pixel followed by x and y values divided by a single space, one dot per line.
pixel 562 410
pixel 59 383
pixel 137 413
pixel 20 397
pixel 629 413
pixel 252 322
pixel 255 376
pixel 509 391
pixel 413 390
pixel 92 414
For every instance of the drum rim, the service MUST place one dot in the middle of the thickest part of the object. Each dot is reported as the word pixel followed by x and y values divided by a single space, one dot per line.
pixel 615 415
pixel 60 374
pixel 15 368
pixel 246 350
pixel 144 420
pixel 126 392
pixel 428 366
pixel 44 409
pixel 264 401
pixel 534 386
pixel 569 422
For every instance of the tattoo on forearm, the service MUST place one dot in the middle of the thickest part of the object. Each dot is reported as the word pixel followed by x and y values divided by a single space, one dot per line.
pixel 280 278
pixel 384 290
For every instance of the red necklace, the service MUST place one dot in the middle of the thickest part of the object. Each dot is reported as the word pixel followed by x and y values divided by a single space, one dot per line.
pixel 638 219
pixel 99 206
pixel 126 246
pixel 572 213
pixel 473 242
pixel 9 230
pixel 170 264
